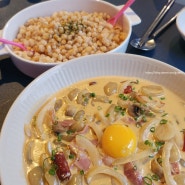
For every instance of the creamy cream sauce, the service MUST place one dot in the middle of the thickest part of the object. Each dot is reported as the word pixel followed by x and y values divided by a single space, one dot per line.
pixel 40 135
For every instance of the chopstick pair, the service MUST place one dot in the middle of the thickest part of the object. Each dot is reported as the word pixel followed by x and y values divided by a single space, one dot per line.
pixel 156 22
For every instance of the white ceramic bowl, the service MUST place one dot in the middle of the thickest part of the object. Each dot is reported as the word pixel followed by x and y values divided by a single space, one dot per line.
pixel 35 94
pixel 180 22
pixel 10 30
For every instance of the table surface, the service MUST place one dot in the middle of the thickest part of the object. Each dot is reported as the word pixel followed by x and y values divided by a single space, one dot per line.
pixel 170 46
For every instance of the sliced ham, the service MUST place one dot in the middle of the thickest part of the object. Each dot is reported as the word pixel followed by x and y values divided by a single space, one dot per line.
pixel 83 162
pixel 175 168
pixel 133 174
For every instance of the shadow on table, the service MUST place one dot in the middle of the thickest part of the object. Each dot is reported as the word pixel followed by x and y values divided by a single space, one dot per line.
pixel 4 3
pixel 9 73
pixel 177 45
pixel 34 1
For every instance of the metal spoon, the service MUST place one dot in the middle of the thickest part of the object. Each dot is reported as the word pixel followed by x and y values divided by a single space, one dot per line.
pixel 150 44
pixel 141 42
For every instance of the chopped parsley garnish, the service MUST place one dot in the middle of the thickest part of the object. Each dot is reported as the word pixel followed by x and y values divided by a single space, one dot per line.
pixel 163 121
pixel 159 160
pixel 52 171
pixel 150 97
pixel 107 115
pixel 70 131
pixel 92 95
pixel 147 180
pixel 71 27
pixel 149 143
pixel 155 177
pixel 159 144
pixel 120 110
pixel 71 156
pixel 123 97
pixel 152 129
pixel 165 114
pixel 81 172
pixel 59 137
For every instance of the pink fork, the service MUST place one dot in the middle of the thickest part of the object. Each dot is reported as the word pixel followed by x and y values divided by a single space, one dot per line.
pixel 20 45
pixel 114 19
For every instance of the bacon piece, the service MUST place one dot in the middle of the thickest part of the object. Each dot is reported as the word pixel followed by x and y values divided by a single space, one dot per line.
pixel 128 119
pixel 175 168
pixel 83 162
pixel 63 171
pixel 128 89
pixel 132 174
pixel 183 148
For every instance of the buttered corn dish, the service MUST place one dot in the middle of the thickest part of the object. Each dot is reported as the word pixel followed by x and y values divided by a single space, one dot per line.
pixel 67 35
pixel 107 130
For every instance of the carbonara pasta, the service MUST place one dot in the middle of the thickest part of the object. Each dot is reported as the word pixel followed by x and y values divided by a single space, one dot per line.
pixel 107 130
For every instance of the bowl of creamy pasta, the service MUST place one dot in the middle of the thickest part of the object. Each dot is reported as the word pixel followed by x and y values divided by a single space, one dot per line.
pixel 60 30
pixel 98 119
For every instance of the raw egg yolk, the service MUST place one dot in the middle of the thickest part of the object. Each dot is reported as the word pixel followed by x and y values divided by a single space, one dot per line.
pixel 118 141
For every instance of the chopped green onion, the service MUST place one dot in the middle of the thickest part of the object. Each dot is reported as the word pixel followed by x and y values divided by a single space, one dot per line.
pixel 159 144
pixel 144 118
pixel 150 114
pixel 149 143
pixel 163 121
pixel 150 97
pixel 71 156
pixel 110 101
pixel 107 115
pixel 159 160
pixel 165 114
pixel 147 180
pixel 155 177
pixel 59 137
pixel 52 171
pixel 120 110
pixel 135 82
pixel 117 108
pixel 92 95
pixel 115 168
pixel 70 131
pixel 81 172
pixel 152 129
pixel 123 97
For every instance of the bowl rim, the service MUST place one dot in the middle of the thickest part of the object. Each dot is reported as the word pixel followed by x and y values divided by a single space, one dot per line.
pixel 51 64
